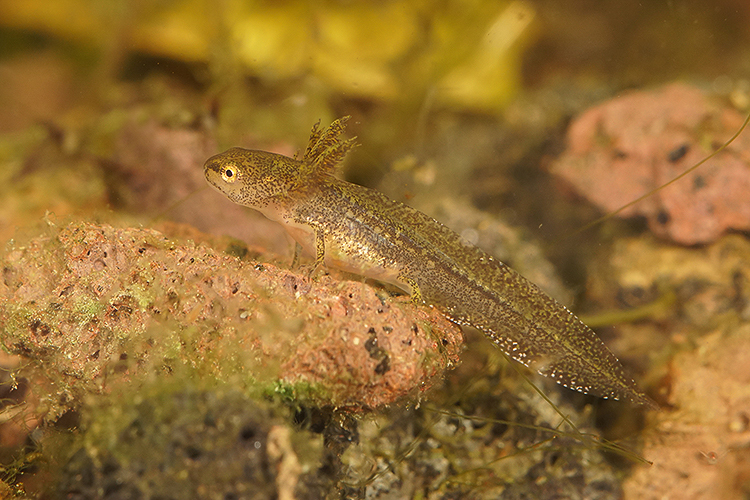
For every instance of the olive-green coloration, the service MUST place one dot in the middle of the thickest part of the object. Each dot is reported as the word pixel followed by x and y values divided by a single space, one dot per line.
pixel 183 438
pixel 360 230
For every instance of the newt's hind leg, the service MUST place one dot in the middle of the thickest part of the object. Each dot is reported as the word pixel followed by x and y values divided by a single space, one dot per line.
pixel 297 253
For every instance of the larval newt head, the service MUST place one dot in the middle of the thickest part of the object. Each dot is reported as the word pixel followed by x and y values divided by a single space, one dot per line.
pixel 253 178
pixel 259 178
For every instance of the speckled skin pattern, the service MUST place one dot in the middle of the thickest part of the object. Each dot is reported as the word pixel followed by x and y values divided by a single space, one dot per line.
pixel 360 230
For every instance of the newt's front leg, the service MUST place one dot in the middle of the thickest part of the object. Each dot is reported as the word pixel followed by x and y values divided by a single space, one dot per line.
pixel 416 293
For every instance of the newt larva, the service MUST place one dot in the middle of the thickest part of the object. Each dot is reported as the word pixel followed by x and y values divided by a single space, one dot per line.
pixel 360 230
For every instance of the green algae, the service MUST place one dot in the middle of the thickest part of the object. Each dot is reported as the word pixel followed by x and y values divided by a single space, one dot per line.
pixel 180 437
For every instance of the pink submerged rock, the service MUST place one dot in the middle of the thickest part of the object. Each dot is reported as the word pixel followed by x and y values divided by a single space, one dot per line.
pixel 88 303
pixel 630 145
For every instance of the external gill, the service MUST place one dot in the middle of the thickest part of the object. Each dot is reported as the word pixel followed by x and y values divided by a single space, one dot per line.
pixel 325 150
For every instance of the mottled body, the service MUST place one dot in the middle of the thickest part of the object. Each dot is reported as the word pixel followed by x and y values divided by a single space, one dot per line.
pixel 360 230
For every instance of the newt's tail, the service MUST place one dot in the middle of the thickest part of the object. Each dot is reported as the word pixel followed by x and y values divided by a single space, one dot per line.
pixel 533 328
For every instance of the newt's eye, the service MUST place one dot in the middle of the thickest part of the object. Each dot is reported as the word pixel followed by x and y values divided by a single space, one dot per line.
pixel 229 173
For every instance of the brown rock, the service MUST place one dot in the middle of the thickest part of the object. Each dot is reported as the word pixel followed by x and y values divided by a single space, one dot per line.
pixel 88 301
pixel 700 448
pixel 624 148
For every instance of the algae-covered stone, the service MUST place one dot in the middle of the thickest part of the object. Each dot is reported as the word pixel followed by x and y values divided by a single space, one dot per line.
pixel 183 439
pixel 485 435
pixel 85 301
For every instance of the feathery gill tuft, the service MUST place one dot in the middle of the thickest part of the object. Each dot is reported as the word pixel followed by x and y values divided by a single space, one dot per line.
pixel 326 149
